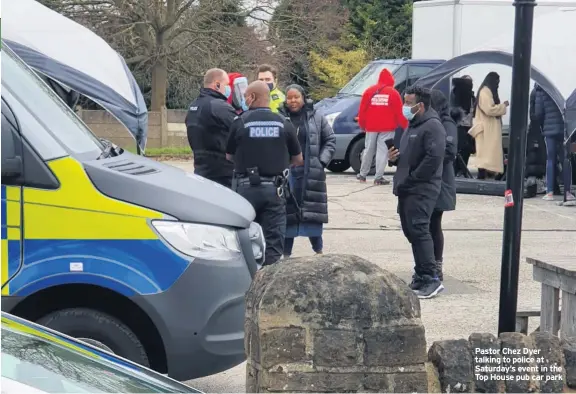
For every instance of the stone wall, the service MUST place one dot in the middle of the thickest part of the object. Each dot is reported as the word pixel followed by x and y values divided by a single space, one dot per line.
pixel 512 363
pixel 165 128
pixel 338 323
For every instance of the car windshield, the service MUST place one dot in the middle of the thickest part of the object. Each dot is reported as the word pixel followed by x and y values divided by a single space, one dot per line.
pixel 367 77
pixel 48 108
pixel 52 368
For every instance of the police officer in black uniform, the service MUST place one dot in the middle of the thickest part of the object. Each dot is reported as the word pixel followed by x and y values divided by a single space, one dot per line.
pixel 208 123
pixel 262 145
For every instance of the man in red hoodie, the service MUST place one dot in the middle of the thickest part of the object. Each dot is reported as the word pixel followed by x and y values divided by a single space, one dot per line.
pixel 379 116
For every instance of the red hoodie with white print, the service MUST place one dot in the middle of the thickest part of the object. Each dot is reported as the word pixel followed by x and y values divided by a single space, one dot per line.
pixel 381 106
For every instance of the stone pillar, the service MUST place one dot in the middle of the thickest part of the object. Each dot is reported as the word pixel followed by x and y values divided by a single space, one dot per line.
pixel 333 323
pixel 164 127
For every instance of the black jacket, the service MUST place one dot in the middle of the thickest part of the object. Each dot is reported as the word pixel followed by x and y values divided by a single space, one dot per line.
pixel 208 125
pixel 447 198
pixel 318 152
pixel 421 156
pixel 545 112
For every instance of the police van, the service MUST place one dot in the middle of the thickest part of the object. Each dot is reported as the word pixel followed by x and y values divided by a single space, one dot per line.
pixel 123 252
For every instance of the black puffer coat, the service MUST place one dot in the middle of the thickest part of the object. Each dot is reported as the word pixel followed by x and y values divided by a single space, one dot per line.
pixel 447 198
pixel 318 152
pixel 546 112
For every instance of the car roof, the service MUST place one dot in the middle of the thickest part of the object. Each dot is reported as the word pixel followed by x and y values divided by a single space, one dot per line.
pixel 409 61
pixel 23 326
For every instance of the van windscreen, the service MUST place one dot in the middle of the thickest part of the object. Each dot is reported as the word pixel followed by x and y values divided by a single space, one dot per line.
pixel 367 77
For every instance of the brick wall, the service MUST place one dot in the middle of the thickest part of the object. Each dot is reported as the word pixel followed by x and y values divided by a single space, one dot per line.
pixel 165 128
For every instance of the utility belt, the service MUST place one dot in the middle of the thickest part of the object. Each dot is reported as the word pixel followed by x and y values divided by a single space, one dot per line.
pixel 252 177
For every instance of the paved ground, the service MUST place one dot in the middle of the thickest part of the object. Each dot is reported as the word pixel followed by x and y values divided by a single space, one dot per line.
pixel 363 221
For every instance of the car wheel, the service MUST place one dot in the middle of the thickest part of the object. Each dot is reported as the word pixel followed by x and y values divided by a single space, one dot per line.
pixel 98 327
pixel 355 157
pixel 338 165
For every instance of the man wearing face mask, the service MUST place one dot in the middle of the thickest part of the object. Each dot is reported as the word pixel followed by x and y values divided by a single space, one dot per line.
pixel 417 183
pixel 269 75
pixel 208 124
pixel 262 146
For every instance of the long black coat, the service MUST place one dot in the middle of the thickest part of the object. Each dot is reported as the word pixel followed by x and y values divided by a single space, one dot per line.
pixel 318 152
pixel 447 198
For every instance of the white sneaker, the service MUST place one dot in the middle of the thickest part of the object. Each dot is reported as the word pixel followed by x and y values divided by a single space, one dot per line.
pixel 548 197
pixel 570 197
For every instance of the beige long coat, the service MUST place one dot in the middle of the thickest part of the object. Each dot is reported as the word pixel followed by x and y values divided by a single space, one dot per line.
pixel 487 132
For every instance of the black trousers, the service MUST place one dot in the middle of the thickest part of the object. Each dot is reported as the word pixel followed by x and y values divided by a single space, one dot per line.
pixel 270 214
pixel 437 235
pixel 415 212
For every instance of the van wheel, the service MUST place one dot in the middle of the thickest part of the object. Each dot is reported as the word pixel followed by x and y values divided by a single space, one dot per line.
pixel 338 165
pixel 98 328
pixel 355 157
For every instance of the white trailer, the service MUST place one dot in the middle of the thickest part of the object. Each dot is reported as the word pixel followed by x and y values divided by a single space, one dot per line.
pixel 448 28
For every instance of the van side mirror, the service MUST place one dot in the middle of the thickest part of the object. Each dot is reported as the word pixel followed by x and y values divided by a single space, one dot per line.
pixel 11 162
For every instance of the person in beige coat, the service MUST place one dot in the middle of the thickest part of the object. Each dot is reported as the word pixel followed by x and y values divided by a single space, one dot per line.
pixel 487 128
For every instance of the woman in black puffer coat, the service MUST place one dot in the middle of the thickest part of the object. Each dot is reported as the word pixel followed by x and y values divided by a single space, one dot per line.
pixel 447 199
pixel 308 183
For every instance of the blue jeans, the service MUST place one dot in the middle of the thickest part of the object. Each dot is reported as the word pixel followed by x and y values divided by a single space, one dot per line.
pixel 553 148
pixel 316 242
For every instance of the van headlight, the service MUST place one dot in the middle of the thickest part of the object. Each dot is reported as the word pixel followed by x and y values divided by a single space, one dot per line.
pixel 201 241
pixel 330 118
pixel 257 240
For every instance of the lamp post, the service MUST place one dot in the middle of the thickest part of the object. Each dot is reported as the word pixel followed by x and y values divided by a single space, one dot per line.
pixel 516 161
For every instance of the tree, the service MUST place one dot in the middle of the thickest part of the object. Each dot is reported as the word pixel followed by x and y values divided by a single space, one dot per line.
pixel 299 27
pixel 164 40
pixel 383 28
pixel 334 69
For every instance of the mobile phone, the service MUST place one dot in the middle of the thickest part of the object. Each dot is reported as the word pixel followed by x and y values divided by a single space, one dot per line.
pixel 389 143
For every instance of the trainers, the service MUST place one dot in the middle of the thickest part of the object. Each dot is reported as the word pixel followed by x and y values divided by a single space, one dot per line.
pixel 416 283
pixel 361 178
pixel 570 197
pixel 429 289
pixel 381 181
pixel 548 197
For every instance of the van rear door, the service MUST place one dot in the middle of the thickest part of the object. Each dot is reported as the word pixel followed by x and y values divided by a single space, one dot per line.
pixel 12 208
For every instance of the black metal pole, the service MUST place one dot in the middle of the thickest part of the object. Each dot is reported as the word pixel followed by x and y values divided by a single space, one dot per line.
pixel 516 161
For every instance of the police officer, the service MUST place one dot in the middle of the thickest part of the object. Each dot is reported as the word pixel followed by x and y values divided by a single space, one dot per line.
pixel 269 75
pixel 262 146
pixel 207 124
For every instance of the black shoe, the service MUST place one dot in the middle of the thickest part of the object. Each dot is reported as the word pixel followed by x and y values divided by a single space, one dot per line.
pixel 381 182
pixel 439 271
pixel 361 178
pixel 416 283
pixel 430 289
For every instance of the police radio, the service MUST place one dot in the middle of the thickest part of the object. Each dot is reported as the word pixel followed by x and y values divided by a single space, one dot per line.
pixel 254 176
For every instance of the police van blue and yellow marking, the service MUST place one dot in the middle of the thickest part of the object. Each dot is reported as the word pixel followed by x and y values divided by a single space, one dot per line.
pixel 76 234
pixel 11 242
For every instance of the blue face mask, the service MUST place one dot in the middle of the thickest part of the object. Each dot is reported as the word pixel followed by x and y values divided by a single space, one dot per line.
pixel 271 86
pixel 227 91
pixel 407 112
